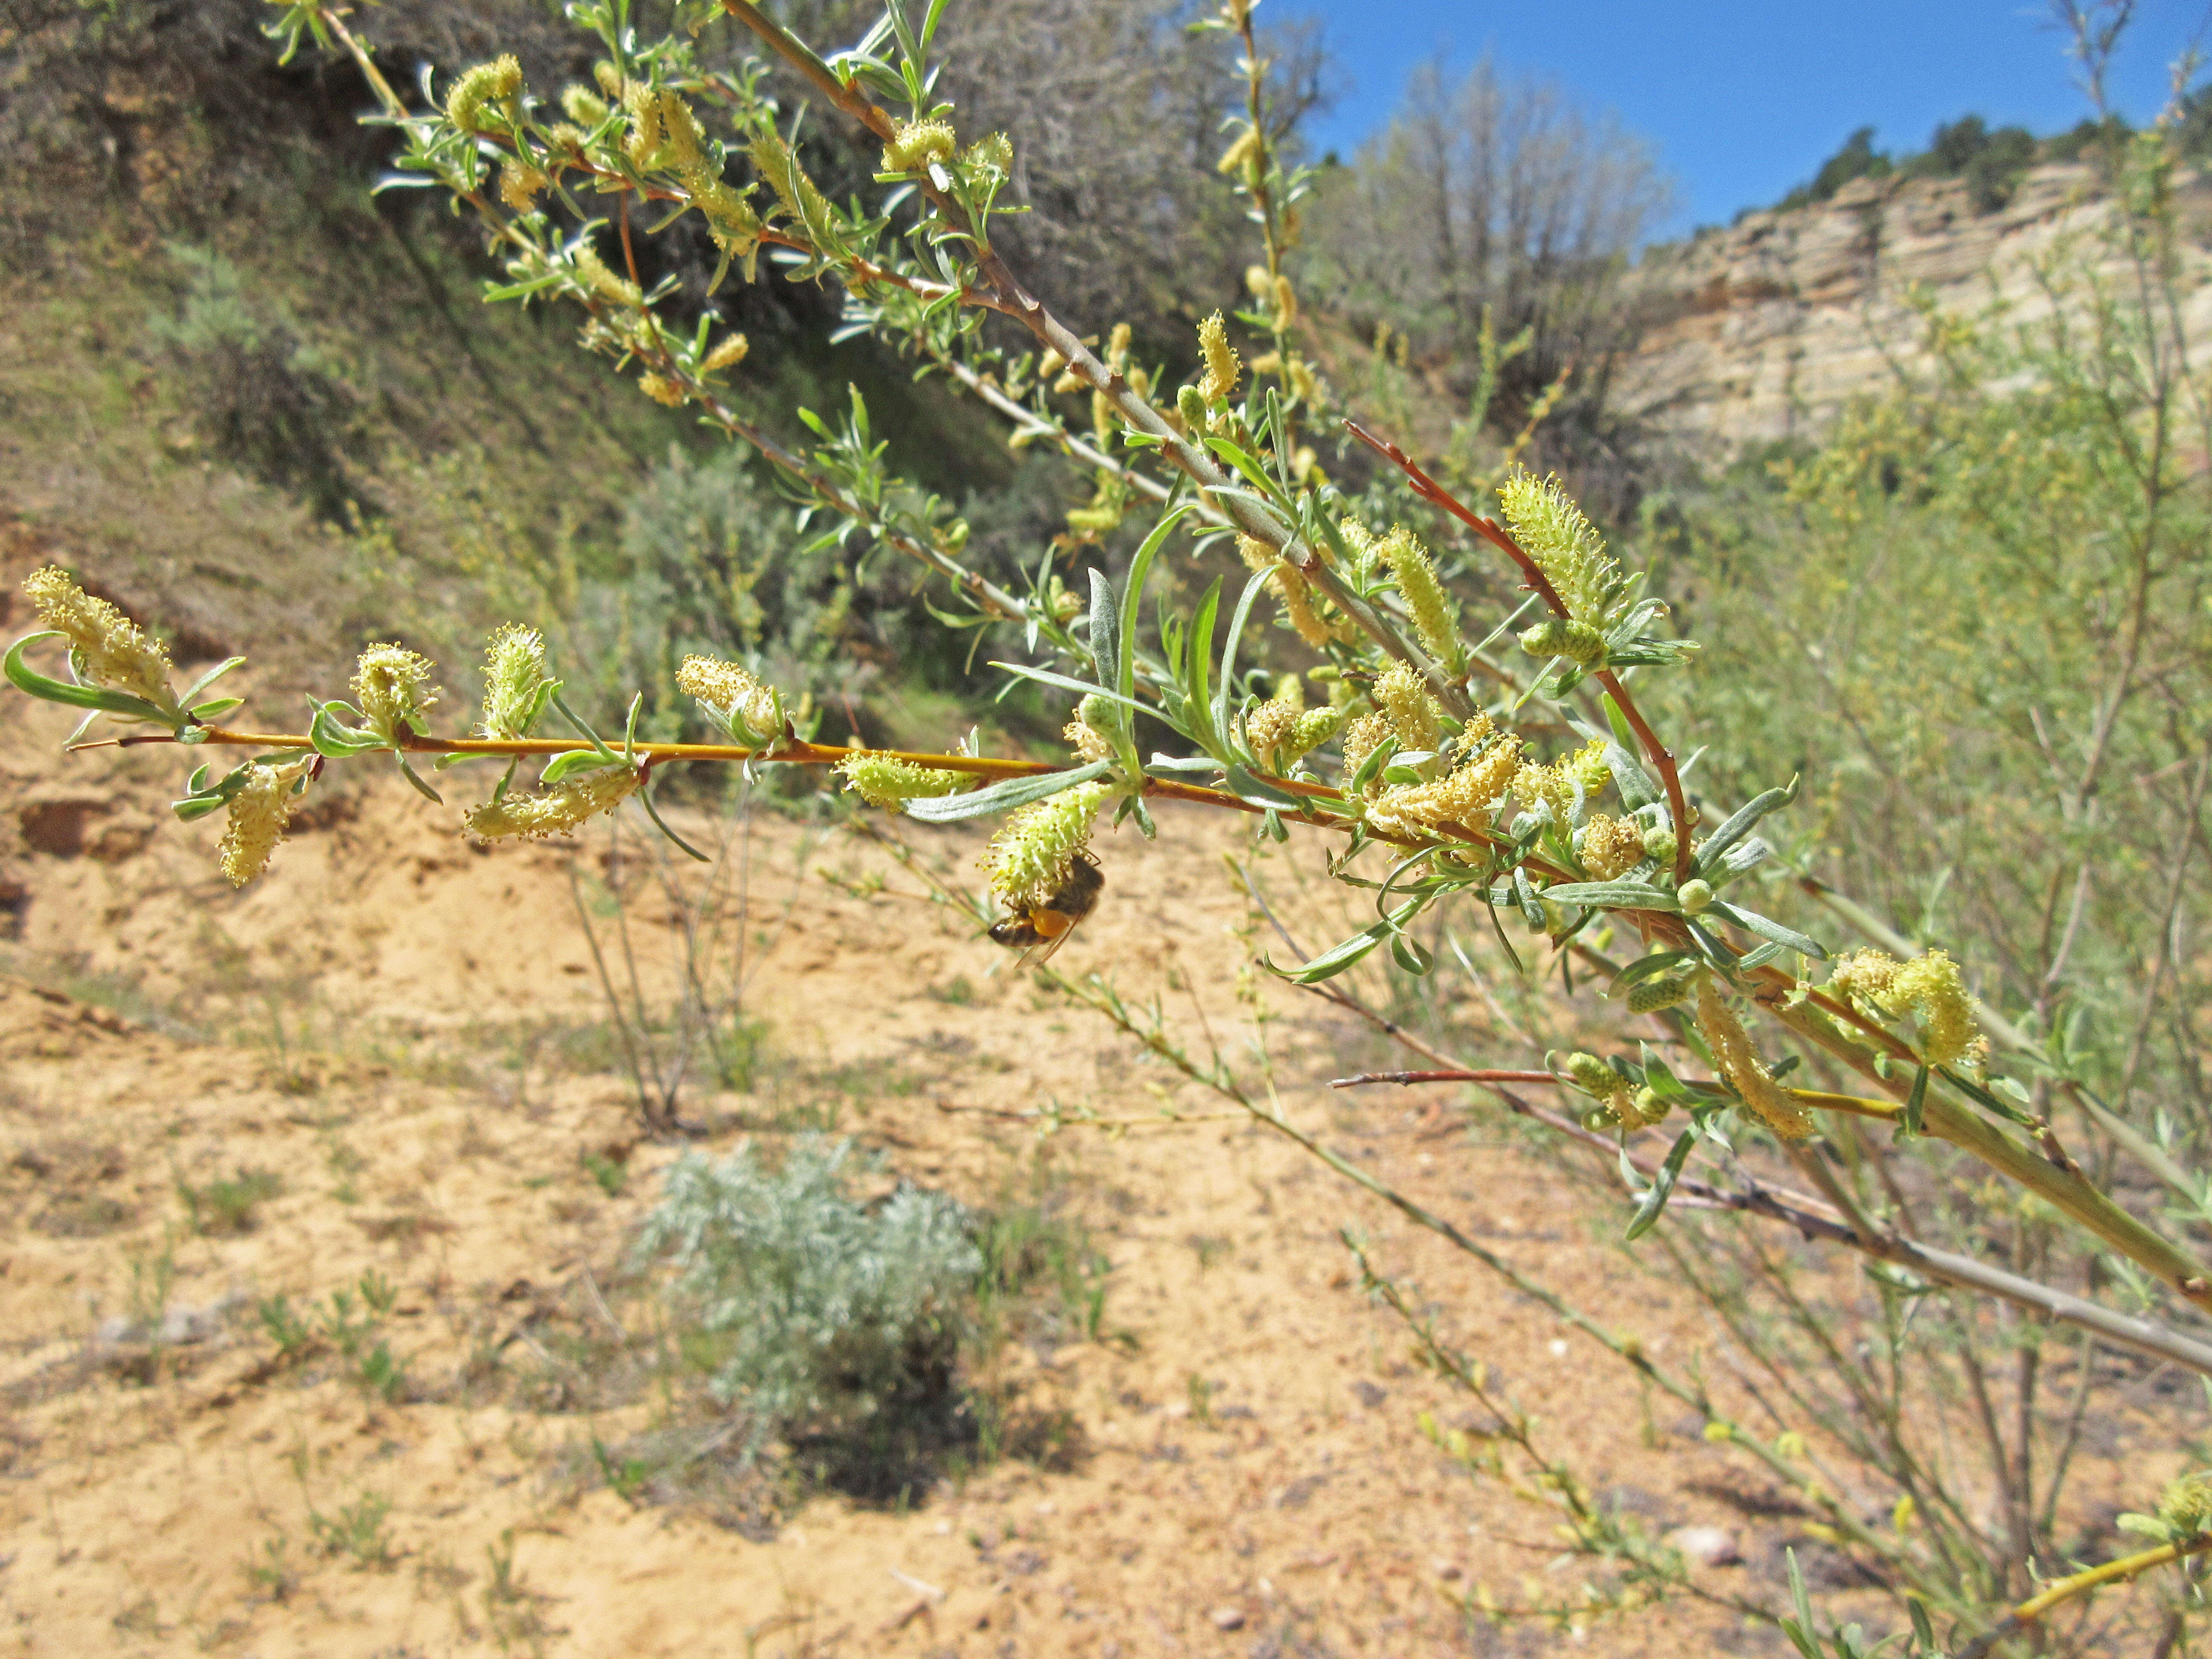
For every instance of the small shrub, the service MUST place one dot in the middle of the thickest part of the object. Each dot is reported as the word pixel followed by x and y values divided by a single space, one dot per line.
pixel 225 1207
pixel 817 1310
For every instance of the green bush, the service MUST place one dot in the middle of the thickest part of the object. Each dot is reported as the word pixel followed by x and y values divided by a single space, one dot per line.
pixel 823 1311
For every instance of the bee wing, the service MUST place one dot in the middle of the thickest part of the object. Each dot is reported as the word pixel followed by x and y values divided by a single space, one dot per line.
pixel 1042 952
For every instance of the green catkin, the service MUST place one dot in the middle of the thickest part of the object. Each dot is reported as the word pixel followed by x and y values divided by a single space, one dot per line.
pixel 553 812
pixel 1029 858
pixel 1416 574
pixel 514 672
pixel 884 781
pixel 1566 545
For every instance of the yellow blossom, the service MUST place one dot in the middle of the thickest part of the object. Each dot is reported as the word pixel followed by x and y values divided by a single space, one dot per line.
pixel 917 143
pixel 106 647
pixel 1609 848
pixel 884 781
pixel 391 688
pixel 732 694
pixel 1030 859
pixel 555 810
pixel 480 91
pixel 259 814
pixel 1222 369
pixel 1742 1069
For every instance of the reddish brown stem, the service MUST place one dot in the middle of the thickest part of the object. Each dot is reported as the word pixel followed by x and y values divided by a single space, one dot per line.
pixel 1436 495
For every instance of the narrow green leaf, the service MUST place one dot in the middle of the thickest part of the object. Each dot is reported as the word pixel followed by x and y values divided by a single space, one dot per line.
pixel 1752 923
pixel 1740 822
pixel 208 711
pixel 1229 652
pixel 1661 1187
pixel 1614 895
pixel 1909 1122
pixel 1105 656
pixel 1333 961
pixel 209 678
pixel 1412 955
pixel 1005 796
pixel 26 680
pixel 1133 588
pixel 1245 787
pixel 408 771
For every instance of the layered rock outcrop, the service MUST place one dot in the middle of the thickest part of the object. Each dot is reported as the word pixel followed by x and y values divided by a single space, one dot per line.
pixel 1764 331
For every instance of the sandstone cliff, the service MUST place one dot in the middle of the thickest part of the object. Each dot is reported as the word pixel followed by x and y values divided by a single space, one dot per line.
pixel 1767 329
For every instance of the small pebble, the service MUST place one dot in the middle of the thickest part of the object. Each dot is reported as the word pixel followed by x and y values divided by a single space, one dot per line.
pixel 1228 1617
pixel 1709 1547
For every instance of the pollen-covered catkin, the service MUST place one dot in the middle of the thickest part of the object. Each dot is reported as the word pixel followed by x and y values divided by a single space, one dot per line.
pixel 1030 859
pixel 555 810
pixel 514 672
pixel 1416 574
pixel 1464 798
pixel 730 693
pixel 917 143
pixel 391 688
pixel 1929 988
pixel 1222 369
pixel 886 782
pixel 1416 719
pixel 259 814
pixel 1742 1070
pixel 107 647
pixel 1609 848
pixel 488 90
pixel 1566 545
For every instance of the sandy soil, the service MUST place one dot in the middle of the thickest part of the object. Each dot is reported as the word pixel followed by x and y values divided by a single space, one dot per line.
pixel 1238 1467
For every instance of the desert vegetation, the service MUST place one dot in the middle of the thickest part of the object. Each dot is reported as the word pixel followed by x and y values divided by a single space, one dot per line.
pixel 1787 876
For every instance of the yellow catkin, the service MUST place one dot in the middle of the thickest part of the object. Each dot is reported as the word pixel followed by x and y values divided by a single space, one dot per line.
pixel 1416 720
pixel 1222 369
pixel 1030 859
pixel 1610 847
pixel 917 143
pixel 1362 739
pixel 518 184
pixel 258 816
pixel 729 690
pixel 800 199
pixel 584 107
pixel 391 688
pixel 1083 735
pixel 727 355
pixel 591 271
pixel 1742 1069
pixel 107 647
pixel 515 670
pixel 1929 988
pixel 1243 152
pixel 1566 545
pixel 1465 798
pixel 553 812
pixel 484 93
pixel 1416 574
pixel 663 389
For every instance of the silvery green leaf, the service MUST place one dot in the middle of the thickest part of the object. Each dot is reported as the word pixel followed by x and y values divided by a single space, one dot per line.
pixel 1003 796
pixel 1661 1187
pixel 1752 923
pixel 1740 822
pixel 1614 895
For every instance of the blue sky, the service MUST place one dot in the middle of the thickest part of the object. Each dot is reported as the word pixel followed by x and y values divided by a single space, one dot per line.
pixel 1743 98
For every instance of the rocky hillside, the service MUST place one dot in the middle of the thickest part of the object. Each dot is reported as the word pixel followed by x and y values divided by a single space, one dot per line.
pixel 1766 328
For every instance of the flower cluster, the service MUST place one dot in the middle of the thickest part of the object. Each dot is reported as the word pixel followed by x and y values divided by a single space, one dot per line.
pixel 1030 859
pixel 106 647
pixel 886 782
pixel 733 694
pixel 514 683
pixel 259 813
pixel 556 810
pixel 391 688
pixel 1929 988
pixel 1743 1071
pixel 1566 547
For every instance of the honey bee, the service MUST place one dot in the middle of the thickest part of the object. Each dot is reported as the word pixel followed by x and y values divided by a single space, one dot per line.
pixel 1045 925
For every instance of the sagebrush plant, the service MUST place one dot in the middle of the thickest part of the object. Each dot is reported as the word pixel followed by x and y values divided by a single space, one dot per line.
pixel 1532 783
pixel 822 1310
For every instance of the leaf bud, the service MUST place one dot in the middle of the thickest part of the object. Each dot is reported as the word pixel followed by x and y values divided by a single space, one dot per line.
pixel 1649 996
pixel 1694 896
